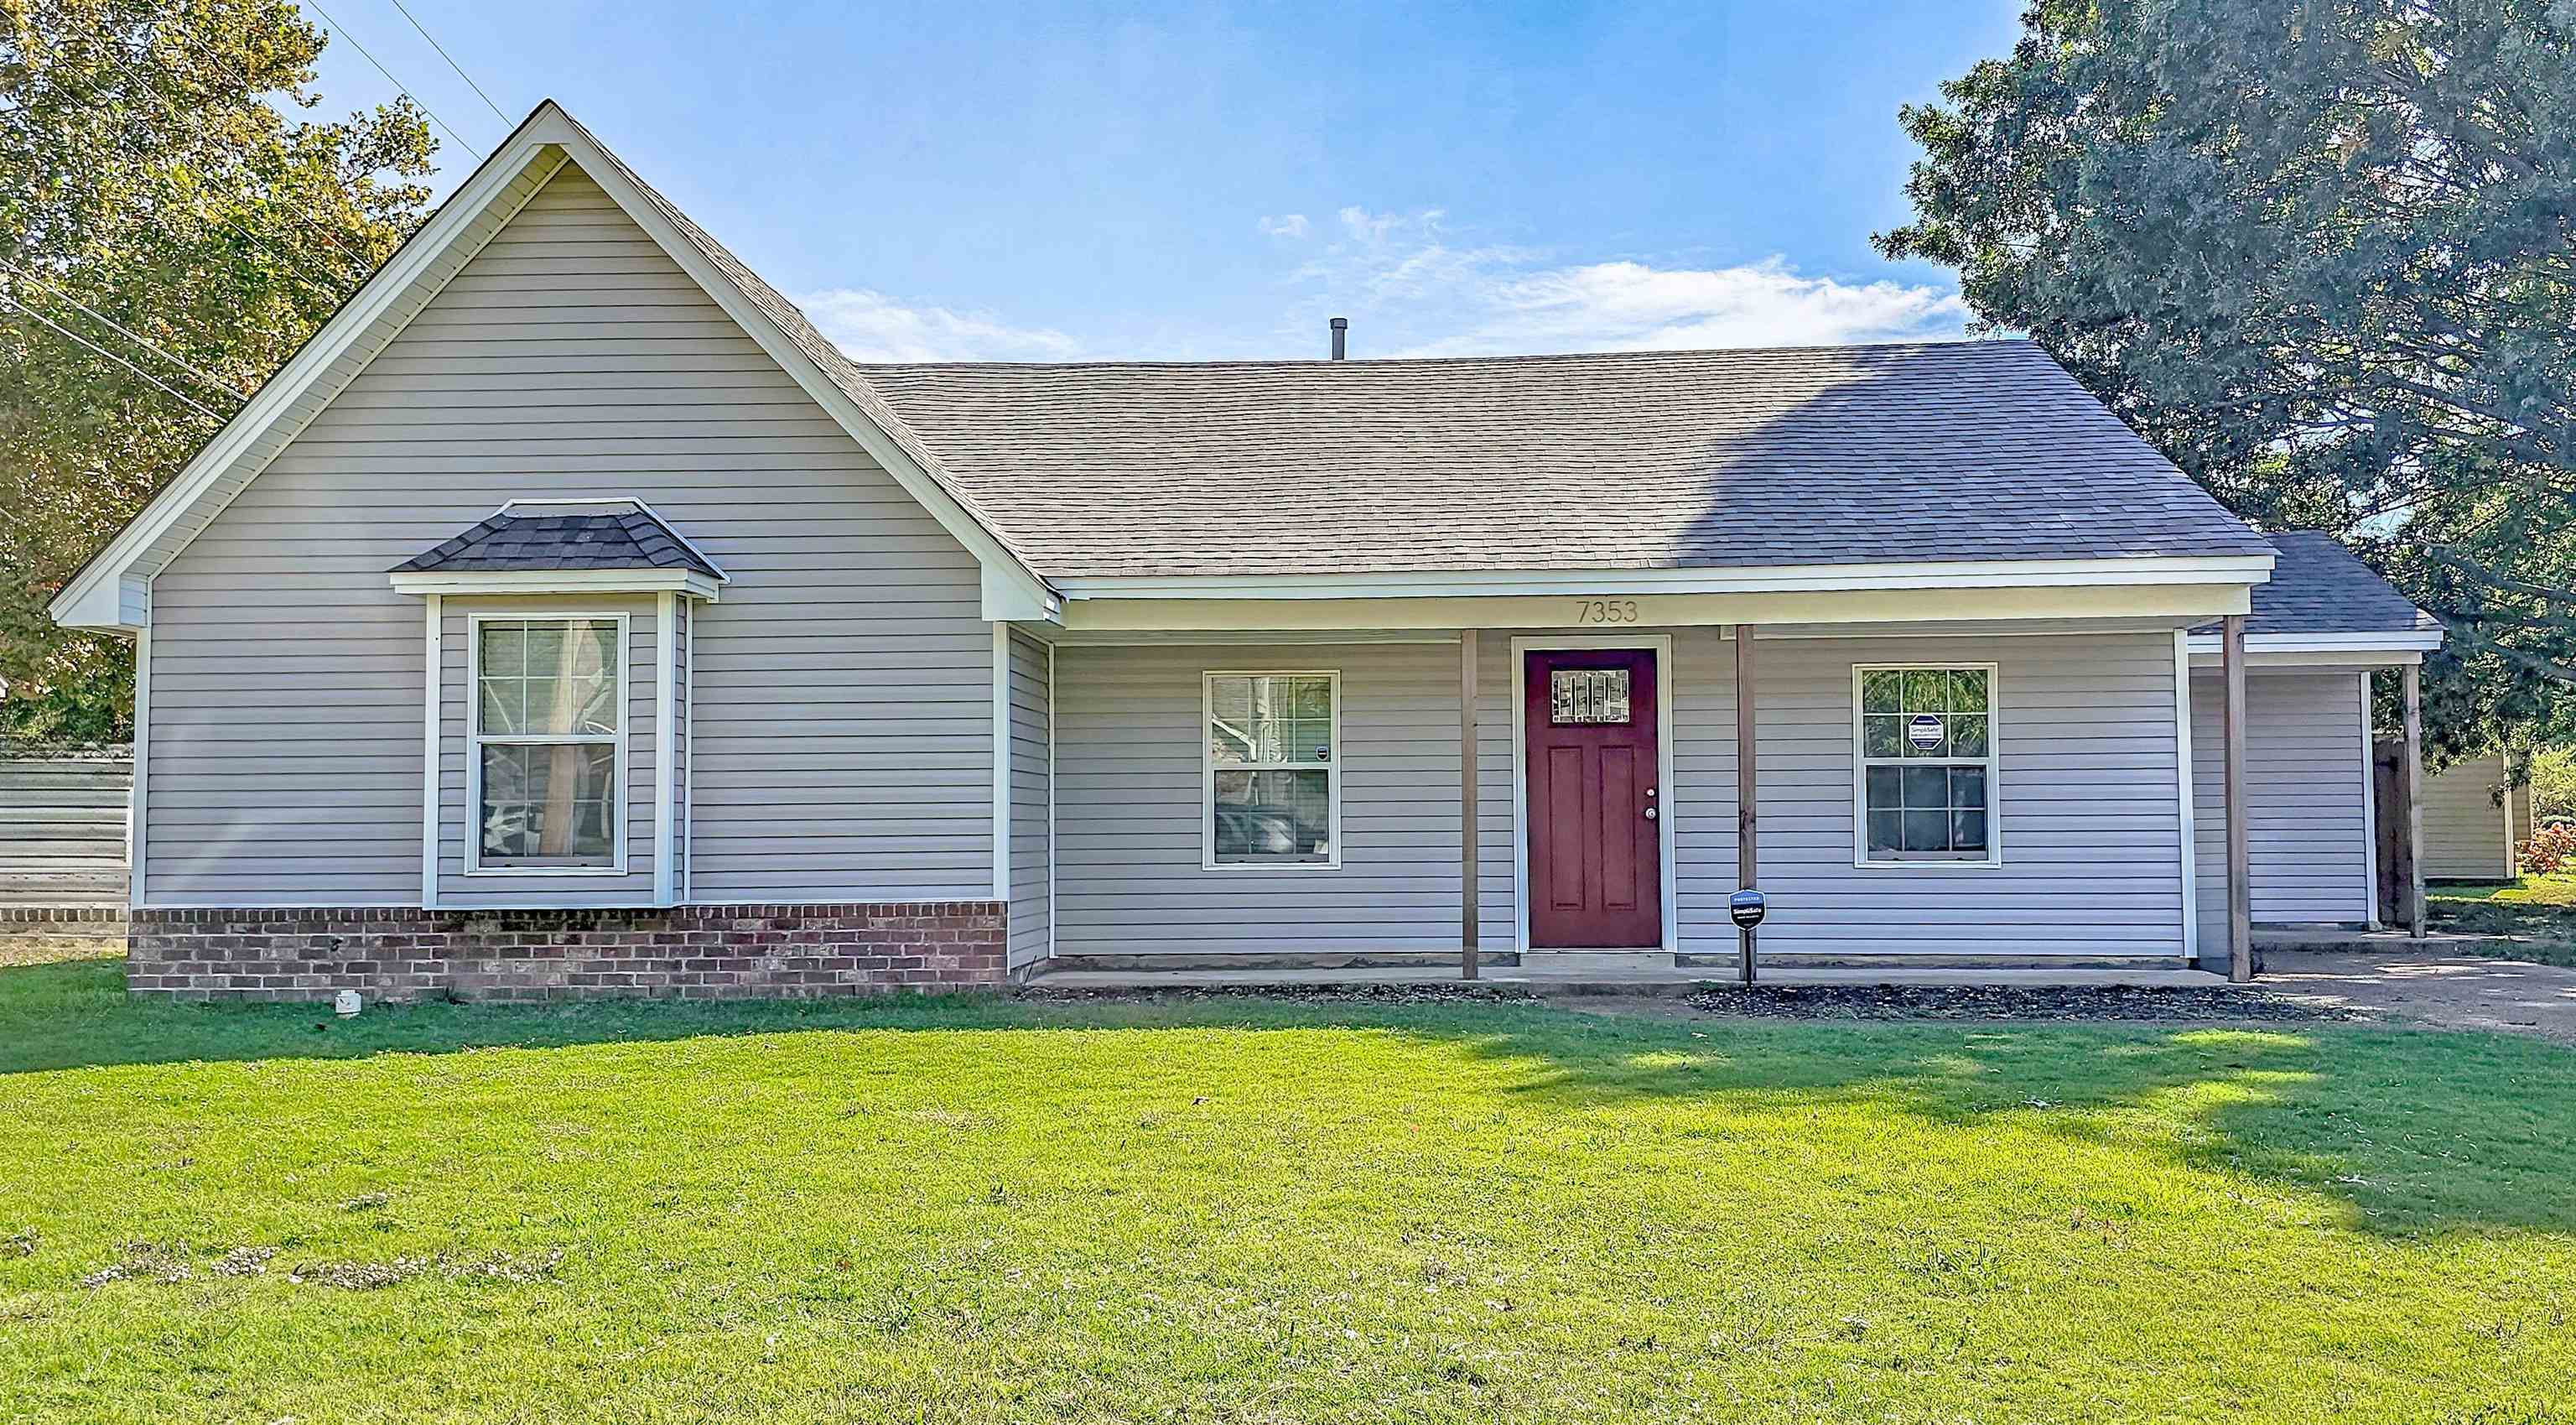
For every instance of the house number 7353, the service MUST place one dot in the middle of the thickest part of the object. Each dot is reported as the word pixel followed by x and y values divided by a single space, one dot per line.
pixel 1605 611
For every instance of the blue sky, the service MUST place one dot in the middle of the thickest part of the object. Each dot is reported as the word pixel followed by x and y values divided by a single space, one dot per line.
pixel 1044 182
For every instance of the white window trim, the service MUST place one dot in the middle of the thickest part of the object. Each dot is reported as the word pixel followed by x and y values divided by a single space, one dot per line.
pixel 472 814
pixel 1208 769
pixel 1993 759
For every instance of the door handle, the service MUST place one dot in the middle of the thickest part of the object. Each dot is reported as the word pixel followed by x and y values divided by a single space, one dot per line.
pixel 1650 813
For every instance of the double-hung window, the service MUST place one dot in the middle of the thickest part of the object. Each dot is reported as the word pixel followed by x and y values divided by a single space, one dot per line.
pixel 549 729
pixel 1272 796
pixel 1925 752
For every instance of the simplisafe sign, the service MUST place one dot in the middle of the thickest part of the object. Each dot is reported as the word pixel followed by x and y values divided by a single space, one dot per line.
pixel 1745 908
pixel 1924 731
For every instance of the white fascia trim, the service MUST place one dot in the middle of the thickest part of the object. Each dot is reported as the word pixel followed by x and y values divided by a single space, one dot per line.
pixel 558 581
pixel 91 599
pixel 2409 641
pixel 1774 578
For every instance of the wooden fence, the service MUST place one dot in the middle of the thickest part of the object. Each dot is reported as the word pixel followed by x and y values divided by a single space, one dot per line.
pixel 62 826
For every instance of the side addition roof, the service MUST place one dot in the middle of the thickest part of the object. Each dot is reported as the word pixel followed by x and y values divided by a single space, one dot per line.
pixel 2322 596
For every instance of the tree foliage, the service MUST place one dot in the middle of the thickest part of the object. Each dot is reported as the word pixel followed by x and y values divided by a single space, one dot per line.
pixel 2323 254
pixel 152 179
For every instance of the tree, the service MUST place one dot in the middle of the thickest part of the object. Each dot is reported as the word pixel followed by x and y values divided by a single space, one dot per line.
pixel 168 237
pixel 2323 254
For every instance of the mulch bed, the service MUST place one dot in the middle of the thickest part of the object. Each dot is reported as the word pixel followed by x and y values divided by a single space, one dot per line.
pixel 1953 1002
pixel 1819 1002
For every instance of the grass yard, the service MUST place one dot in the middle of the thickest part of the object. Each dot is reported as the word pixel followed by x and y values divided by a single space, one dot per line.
pixel 2540 908
pixel 1246 1211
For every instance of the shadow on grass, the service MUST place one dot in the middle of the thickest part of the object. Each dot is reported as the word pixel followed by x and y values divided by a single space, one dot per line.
pixel 2416 1132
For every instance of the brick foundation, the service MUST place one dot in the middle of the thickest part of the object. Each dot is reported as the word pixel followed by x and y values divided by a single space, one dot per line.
pixel 64 922
pixel 691 952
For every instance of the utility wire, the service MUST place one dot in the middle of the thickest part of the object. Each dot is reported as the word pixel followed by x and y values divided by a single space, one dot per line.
pixel 396 83
pixel 174 393
pixel 201 377
pixel 451 62
pixel 186 32
pixel 336 283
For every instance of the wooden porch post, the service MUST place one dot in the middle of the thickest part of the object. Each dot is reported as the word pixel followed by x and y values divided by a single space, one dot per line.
pixel 2240 888
pixel 2414 677
pixel 1747 859
pixel 1467 927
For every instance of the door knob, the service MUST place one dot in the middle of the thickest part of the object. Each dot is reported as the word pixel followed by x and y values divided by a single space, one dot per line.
pixel 1650 813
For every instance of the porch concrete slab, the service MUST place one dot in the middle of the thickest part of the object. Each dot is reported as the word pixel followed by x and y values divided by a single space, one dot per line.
pixel 1668 979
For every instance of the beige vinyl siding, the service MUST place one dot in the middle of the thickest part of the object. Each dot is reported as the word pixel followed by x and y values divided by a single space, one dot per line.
pixel 456 815
pixel 1032 795
pixel 2087 785
pixel 2087 805
pixel 2464 822
pixel 2308 830
pixel 844 709
pixel 1130 749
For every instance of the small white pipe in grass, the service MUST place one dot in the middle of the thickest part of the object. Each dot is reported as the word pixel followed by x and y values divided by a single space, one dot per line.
pixel 347 1003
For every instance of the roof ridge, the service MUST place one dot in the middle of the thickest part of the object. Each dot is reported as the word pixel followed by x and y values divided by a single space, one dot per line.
pixel 1964 344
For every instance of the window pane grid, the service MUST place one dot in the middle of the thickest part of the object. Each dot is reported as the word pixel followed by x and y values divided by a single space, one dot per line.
pixel 546 729
pixel 1271 777
pixel 1926 754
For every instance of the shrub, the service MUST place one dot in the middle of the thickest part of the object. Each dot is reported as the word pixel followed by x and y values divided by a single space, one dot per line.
pixel 2549 847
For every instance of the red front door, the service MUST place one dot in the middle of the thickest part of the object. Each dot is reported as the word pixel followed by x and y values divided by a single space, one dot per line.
pixel 1596 872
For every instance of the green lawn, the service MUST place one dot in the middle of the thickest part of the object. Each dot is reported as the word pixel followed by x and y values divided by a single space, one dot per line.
pixel 2540 909
pixel 1241 1211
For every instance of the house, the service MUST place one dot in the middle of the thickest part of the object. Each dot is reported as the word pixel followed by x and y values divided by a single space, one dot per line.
pixel 2474 821
pixel 570 617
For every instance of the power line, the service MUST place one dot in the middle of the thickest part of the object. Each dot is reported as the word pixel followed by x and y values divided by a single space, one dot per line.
pixel 208 381
pixel 346 34
pixel 166 388
pixel 189 34
pixel 331 282
pixel 451 62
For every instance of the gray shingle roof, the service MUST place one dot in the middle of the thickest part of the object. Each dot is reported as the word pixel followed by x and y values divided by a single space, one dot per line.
pixel 2318 586
pixel 1961 450
pixel 1957 450
pixel 516 540
pixel 818 348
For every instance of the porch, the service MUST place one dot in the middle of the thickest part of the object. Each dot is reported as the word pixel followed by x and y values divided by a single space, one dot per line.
pixel 1422 842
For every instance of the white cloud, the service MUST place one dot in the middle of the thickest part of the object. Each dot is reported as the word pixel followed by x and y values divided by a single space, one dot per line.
pixel 1414 290
pixel 871 326
pixel 1288 225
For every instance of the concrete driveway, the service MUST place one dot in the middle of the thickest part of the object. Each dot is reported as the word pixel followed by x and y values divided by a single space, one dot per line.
pixel 2427 987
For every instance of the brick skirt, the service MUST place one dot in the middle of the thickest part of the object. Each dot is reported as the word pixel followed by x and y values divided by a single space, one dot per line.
pixel 691 952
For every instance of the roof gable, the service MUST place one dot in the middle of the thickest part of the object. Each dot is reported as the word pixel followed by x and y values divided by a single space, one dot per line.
pixel 111 591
